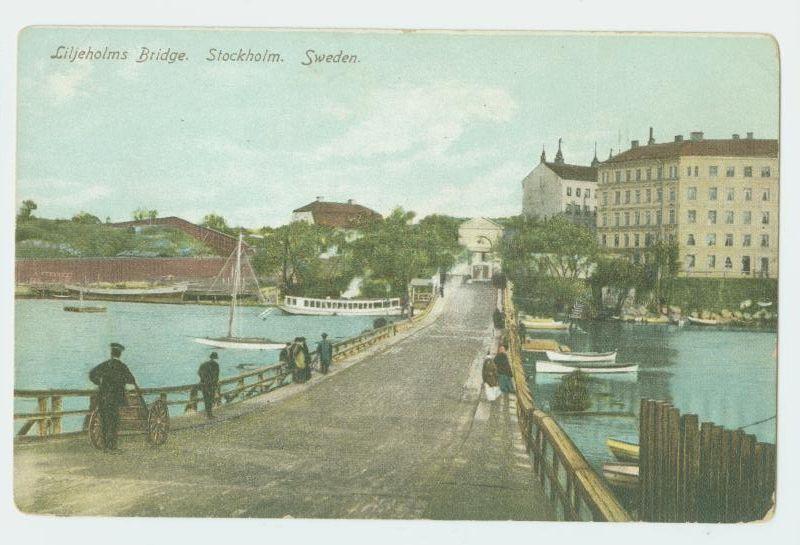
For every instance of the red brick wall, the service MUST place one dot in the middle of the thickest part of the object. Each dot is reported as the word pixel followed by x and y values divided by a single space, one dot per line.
pixel 117 269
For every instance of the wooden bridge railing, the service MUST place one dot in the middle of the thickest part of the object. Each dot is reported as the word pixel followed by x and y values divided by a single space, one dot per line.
pixel 691 472
pixel 49 416
pixel 574 488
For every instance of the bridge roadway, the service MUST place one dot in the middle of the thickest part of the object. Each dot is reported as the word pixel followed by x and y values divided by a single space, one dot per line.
pixel 403 433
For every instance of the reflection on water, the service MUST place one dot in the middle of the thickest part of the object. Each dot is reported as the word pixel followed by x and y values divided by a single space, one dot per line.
pixel 724 376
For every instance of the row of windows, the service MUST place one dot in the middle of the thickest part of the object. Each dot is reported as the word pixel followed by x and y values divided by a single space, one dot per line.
pixel 587 192
pixel 730 217
pixel 711 263
pixel 711 240
pixel 730 194
pixel 625 197
pixel 636 217
pixel 634 240
pixel 647 174
pixel 577 209
pixel 343 305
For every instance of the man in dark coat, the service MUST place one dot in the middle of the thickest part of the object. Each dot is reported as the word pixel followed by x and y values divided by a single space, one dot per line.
pixel 111 376
pixel 325 353
pixel 209 381
pixel 504 370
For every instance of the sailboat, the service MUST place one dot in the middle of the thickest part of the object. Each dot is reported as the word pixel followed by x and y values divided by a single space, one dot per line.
pixel 81 308
pixel 231 340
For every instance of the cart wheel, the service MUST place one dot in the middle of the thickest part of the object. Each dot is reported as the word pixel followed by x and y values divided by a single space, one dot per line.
pixel 96 430
pixel 158 423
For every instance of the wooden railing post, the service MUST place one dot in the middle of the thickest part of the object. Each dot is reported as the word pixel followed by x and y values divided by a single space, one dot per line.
pixel 41 403
pixel 56 407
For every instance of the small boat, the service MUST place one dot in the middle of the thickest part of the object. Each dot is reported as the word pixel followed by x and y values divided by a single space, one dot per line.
pixel 542 345
pixel 559 368
pixel 137 292
pixel 582 357
pixel 701 321
pixel 231 340
pixel 621 475
pixel 624 451
pixel 764 304
pixel 81 308
pixel 542 325
pixel 661 319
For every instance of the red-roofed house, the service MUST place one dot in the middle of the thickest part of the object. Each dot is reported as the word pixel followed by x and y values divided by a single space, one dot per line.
pixel 336 215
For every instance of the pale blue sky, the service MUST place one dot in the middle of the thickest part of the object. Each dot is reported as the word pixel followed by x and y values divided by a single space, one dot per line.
pixel 446 123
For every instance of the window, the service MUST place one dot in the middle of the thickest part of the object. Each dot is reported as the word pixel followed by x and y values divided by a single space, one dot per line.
pixel 648 239
pixel 605 220
pixel 636 218
pixel 659 195
pixel 691 194
pixel 765 266
pixel 765 218
pixel 691 216
pixel 765 172
pixel 729 217
pixel 697 171
pixel 746 264
pixel 627 240
pixel 671 194
pixel 616 219
pixel 605 198
pixel 577 191
pixel 617 175
pixel 765 194
pixel 628 175
pixel 713 171
pixel 658 217
pixel 647 218
pixel 649 173
pixel 712 261
pixel 636 239
pixel 765 241
pixel 672 216
pixel 638 175
pixel 627 219
pixel 604 239
pixel 637 196
pixel 728 263
pixel 673 172
pixel 730 172
pixel 712 217
pixel 711 239
pixel 729 239
pixel 569 191
pixel 659 173
pixel 748 193
pixel 690 261
pixel 616 241
pixel 748 172
pixel 747 217
pixel 587 193
pixel 688 171
pixel 647 195
pixel 746 241
pixel 730 194
pixel 616 197
pixel 627 197
pixel 690 240
pixel 712 193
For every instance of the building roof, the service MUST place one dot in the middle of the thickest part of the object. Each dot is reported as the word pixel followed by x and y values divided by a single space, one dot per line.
pixel 573 172
pixel 338 215
pixel 742 147
pixel 480 223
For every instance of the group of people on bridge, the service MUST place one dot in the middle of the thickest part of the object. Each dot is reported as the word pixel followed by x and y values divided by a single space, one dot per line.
pixel 113 375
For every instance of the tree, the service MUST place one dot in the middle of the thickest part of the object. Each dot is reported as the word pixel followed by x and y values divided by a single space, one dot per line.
pixel 441 234
pixel 86 218
pixel 152 214
pixel 216 222
pixel 662 267
pixel 620 274
pixel 26 210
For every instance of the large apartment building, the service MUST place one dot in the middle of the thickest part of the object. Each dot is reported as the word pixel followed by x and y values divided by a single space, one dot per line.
pixel 718 199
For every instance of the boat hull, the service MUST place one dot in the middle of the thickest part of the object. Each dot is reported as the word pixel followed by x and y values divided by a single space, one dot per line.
pixel 544 326
pixel 623 451
pixel 559 368
pixel 622 475
pixel 601 359
pixel 84 309
pixel 309 306
pixel 701 321
pixel 132 292
pixel 240 344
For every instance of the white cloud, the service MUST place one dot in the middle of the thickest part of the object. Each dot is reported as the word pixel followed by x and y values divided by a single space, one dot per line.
pixel 64 197
pixel 67 81
pixel 425 119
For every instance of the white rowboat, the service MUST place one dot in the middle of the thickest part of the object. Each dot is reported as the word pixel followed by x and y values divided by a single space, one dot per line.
pixel 241 343
pixel 621 474
pixel 701 321
pixel 557 368
pixel 582 357
pixel 161 290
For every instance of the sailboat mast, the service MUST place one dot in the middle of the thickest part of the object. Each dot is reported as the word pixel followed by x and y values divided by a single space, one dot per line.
pixel 235 291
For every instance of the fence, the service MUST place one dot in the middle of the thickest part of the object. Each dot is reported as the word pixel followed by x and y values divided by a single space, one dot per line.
pixel 49 416
pixel 700 474
pixel 574 488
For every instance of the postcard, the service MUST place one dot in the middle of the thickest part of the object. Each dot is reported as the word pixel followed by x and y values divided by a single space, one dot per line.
pixel 420 275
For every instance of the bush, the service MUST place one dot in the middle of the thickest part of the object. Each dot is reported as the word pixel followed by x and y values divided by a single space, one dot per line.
pixel 573 393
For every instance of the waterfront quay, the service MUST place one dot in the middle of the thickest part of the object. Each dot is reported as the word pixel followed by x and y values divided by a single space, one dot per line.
pixel 397 431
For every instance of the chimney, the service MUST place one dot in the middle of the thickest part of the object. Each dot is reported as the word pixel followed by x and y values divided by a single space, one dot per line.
pixel 750 136
pixel 319 198
pixel 651 140
pixel 735 136
pixel 634 144
pixel 349 201
pixel 696 136
pixel 679 138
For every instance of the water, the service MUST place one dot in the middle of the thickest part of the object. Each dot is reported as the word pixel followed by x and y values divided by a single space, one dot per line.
pixel 57 349
pixel 724 376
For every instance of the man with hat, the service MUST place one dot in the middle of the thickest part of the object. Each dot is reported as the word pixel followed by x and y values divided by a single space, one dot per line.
pixel 111 376
pixel 209 381
pixel 325 354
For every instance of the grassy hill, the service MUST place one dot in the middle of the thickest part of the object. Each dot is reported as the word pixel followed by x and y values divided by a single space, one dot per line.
pixel 45 238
